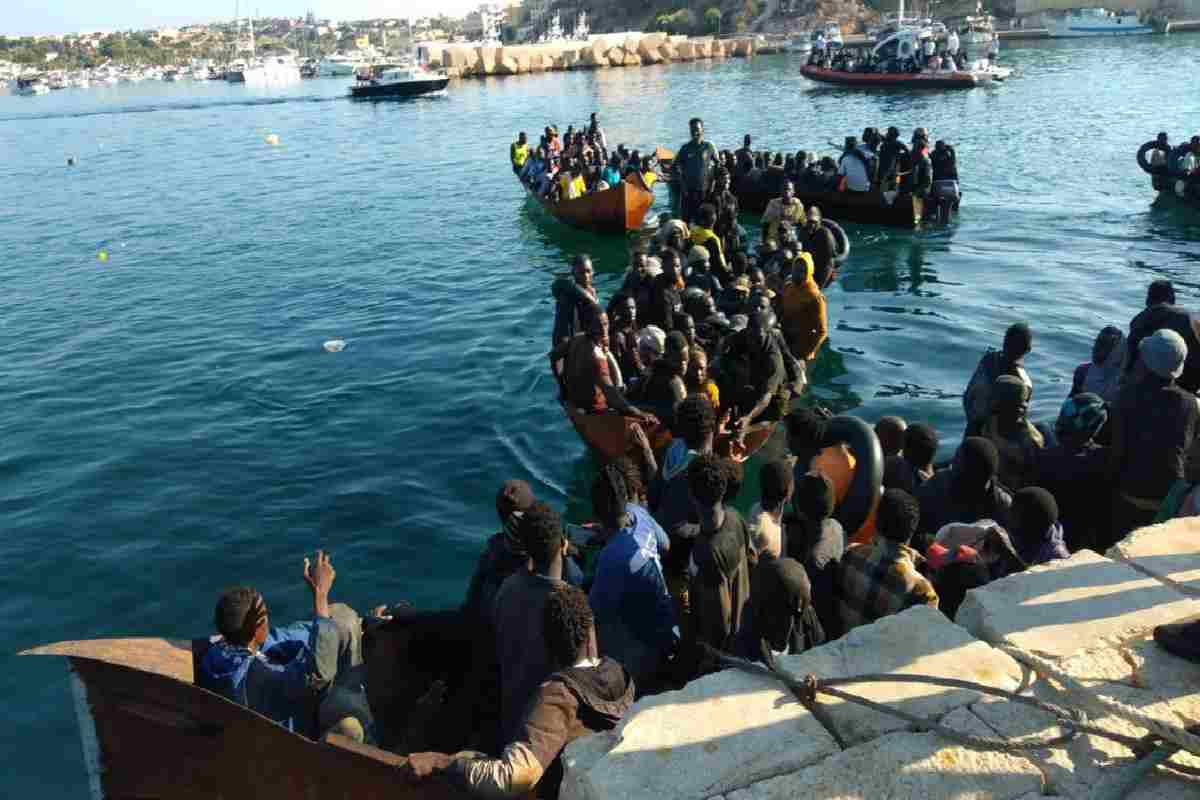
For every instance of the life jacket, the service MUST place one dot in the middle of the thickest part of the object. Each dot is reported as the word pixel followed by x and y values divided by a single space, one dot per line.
pixel 520 153
pixel 702 236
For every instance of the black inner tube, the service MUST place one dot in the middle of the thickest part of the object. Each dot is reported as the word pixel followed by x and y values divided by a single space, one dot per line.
pixel 867 483
pixel 1144 162
pixel 839 237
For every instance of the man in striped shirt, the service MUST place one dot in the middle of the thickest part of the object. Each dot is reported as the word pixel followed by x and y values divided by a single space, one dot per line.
pixel 880 577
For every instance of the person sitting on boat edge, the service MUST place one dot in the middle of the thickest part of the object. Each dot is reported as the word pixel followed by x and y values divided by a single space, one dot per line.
pixel 282 673
pixel 1010 360
pixel 663 388
pixel 573 299
pixel 518 152
pixel 585 693
pixel 584 367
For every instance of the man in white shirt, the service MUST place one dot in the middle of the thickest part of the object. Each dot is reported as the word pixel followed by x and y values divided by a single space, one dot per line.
pixel 853 167
pixel 952 43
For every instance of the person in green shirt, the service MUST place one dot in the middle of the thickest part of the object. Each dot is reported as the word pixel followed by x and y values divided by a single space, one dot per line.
pixel 695 163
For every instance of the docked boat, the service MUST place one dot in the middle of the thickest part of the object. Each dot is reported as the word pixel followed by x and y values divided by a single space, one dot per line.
pixel 339 65
pixel 28 87
pixel 618 209
pixel 399 82
pixel 149 731
pixel 1096 22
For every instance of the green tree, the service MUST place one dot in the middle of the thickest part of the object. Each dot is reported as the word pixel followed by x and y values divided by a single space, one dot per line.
pixel 712 19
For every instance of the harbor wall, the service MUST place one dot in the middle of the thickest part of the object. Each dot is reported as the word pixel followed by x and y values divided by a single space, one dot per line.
pixel 603 51
pixel 1085 623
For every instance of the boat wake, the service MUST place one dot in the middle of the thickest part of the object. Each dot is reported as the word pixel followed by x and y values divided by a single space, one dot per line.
pixel 181 106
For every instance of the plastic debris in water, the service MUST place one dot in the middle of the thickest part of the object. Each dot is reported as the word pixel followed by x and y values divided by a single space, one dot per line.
pixel 70 161
pixel 102 256
pixel 272 139
pixel 335 345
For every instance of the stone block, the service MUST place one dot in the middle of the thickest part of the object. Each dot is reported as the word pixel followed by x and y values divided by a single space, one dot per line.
pixel 919 641
pixel 1059 608
pixel 908 766
pixel 1169 552
pixel 487 59
pixel 666 52
pixel 615 56
pixel 685 51
pixel 632 59
pixel 647 50
pixel 719 733
pixel 718 49
pixel 569 59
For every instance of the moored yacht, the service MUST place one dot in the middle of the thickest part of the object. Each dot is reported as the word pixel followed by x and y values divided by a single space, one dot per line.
pixel 400 82
pixel 339 65
pixel 28 87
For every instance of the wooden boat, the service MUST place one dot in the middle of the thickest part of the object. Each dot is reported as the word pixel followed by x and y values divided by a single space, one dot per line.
pixel 149 732
pixel 618 209
pixel 608 436
pixel 872 207
pixel 898 80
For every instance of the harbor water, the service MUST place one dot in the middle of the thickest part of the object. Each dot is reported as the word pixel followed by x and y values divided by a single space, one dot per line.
pixel 172 423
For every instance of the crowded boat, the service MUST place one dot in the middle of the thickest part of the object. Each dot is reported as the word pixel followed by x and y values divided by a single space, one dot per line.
pixel 1174 169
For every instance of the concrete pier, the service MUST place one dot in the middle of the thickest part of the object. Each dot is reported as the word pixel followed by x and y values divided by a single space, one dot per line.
pixel 738 736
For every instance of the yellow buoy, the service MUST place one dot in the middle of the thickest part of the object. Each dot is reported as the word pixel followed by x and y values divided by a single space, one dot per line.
pixel 102 256
pixel 272 139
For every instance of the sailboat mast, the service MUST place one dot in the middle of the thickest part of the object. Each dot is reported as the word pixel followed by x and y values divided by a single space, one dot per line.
pixel 901 19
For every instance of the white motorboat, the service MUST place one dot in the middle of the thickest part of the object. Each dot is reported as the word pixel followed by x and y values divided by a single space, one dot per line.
pixel 28 87
pixel 1096 22
pixel 339 65
pixel 271 71
pixel 400 82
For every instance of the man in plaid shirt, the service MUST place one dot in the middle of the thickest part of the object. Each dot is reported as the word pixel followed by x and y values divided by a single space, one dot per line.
pixel 880 577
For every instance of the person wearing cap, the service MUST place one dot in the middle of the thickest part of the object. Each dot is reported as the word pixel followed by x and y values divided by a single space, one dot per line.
pixel 753 376
pixel 665 294
pixel 1161 311
pixel 785 208
pixel 1009 360
pixel 820 245
pixel 854 169
pixel 698 273
pixel 1074 469
pixel 1154 423
pixel 504 552
pixel 921 171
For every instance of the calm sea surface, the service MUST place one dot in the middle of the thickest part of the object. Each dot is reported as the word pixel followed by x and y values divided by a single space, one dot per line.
pixel 171 424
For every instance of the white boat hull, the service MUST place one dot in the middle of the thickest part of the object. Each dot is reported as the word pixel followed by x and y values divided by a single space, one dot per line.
pixel 1078 27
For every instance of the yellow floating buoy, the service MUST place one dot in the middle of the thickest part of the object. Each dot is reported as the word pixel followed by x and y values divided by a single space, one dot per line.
pixel 102 256
pixel 272 139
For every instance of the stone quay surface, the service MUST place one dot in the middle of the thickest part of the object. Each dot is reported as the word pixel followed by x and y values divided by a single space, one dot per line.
pixel 740 736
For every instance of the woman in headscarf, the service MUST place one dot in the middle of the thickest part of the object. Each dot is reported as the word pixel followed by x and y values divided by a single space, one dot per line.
pixel 1102 375
pixel 1016 440
pixel 1035 531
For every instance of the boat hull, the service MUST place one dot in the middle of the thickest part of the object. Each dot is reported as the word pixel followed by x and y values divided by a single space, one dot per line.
pixel 898 80
pixel 618 209
pixel 149 732
pixel 409 89
pixel 905 210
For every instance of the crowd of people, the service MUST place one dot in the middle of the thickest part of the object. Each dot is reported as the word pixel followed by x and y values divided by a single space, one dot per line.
pixel 702 343
pixel 875 163
pixel 928 54
pixel 577 163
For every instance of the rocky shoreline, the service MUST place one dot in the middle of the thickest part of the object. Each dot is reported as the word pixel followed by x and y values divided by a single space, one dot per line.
pixel 599 52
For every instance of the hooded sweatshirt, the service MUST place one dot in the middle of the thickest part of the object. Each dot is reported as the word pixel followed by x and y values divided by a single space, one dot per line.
pixel 802 314
pixel 587 698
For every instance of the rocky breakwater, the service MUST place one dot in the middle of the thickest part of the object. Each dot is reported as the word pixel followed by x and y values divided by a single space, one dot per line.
pixel 599 52
pixel 739 736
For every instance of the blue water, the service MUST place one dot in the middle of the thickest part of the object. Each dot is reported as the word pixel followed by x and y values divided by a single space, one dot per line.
pixel 171 423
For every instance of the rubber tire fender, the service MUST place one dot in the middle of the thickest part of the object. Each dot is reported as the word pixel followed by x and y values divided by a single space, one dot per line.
pixel 1144 162
pixel 840 238
pixel 867 483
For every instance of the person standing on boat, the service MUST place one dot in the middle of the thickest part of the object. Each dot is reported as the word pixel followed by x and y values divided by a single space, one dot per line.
pixel 695 163
pixel 854 168
pixel 952 43
pixel 993 50
pixel 594 130
pixel 518 153
pixel 921 175
pixel 723 200
pixel 891 152
pixel 720 583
